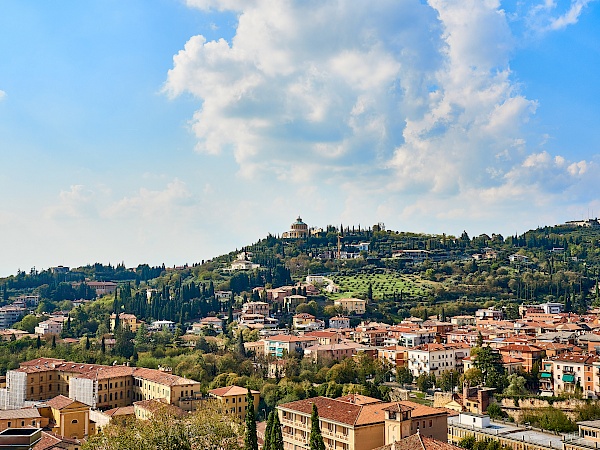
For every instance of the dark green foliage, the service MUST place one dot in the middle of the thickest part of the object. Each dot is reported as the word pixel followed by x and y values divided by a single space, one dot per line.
pixel 551 419
pixel 276 434
pixel 251 440
pixel 316 439
pixel 467 442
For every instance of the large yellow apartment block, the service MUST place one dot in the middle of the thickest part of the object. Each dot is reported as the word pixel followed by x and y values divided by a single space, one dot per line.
pixel 105 387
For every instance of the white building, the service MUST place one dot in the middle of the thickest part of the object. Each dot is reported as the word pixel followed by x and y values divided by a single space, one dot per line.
pixel 159 325
pixel 10 314
pixel 436 358
pixel 48 327
pixel 339 322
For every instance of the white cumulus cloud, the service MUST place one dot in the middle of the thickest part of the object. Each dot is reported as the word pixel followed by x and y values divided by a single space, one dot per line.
pixel 408 105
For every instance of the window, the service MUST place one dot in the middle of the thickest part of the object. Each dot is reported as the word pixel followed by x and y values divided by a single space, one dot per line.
pixel 9 424
pixel 22 423
pixel 50 386
pixel 121 394
pixel 74 421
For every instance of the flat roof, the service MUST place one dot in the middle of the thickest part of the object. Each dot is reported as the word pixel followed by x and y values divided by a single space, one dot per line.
pixel 515 433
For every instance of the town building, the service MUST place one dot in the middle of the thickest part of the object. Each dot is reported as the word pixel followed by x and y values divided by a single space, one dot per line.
pixel 98 386
pixel 127 321
pixel 10 314
pixel 48 327
pixel 357 422
pixel 354 306
pixel 339 322
pixel 234 399
pixel 298 230
pixel 436 358
pixel 509 436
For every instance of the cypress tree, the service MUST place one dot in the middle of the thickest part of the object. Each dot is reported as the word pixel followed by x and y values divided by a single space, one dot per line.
pixel 268 432
pixel 38 342
pixel 53 341
pixel 276 435
pixel 87 343
pixel 251 441
pixel 241 348
pixel 103 345
pixel 316 439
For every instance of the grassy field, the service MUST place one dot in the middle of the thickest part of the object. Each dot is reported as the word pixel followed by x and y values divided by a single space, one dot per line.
pixel 358 285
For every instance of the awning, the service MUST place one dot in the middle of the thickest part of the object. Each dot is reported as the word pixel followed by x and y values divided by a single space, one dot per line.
pixel 568 378
pixel 546 375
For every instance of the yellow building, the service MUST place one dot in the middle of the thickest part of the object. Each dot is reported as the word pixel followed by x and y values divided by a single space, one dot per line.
pixel 145 409
pixel 126 320
pixel 298 230
pixel 102 387
pixel 352 305
pixel 234 399
pixel 21 418
pixel 68 417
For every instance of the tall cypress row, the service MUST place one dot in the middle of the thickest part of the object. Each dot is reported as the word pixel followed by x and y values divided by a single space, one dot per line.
pixel 251 441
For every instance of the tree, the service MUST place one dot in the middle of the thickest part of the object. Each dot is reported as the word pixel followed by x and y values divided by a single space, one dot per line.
pixel 103 345
pixel 240 347
pixel 404 375
pixel 251 440
pixel 494 411
pixel 269 431
pixel 489 362
pixel 87 343
pixel 276 434
pixel 316 439
pixel 467 442
pixel 53 341
pixel 38 342
pixel 516 385
pixel 424 382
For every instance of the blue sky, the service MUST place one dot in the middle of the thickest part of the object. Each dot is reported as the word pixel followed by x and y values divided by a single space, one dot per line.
pixel 173 131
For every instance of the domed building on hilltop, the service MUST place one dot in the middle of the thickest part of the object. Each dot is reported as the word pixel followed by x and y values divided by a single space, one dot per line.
pixel 298 230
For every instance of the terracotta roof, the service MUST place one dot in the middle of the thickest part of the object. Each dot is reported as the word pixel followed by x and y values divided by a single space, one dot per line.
pixel 418 442
pixel 520 348
pixel 51 441
pixel 330 409
pixel 164 378
pixel 23 413
pixel 60 402
pixel 231 390
pixel 422 410
pixel 358 399
pixel 121 411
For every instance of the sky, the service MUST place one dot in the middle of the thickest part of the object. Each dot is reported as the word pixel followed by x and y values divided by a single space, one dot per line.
pixel 172 131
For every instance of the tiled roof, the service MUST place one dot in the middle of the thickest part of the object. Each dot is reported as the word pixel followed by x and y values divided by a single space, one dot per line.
pixel 358 399
pixel 418 442
pixel 23 413
pixel 121 411
pixel 329 409
pixel 231 390
pixel 165 378
pixel 422 410
pixel 60 402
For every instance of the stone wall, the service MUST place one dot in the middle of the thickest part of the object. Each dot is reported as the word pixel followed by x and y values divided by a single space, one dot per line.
pixel 568 406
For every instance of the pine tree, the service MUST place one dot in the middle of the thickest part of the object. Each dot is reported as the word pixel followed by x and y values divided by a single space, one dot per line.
pixel 316 439
pixel 251 441
pixel 276 435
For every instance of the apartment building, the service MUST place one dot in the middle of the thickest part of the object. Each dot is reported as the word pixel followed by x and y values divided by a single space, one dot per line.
pixel 352 305
pixel 357 422
pixel 126 320
pixel 234 399
pixel 339 322
pixel 437 358
pixel 530 354
pixel 566 372
pixel 99 386
pixel 282 344
pixel 48 327
pixel 256 308
pixel 10 314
